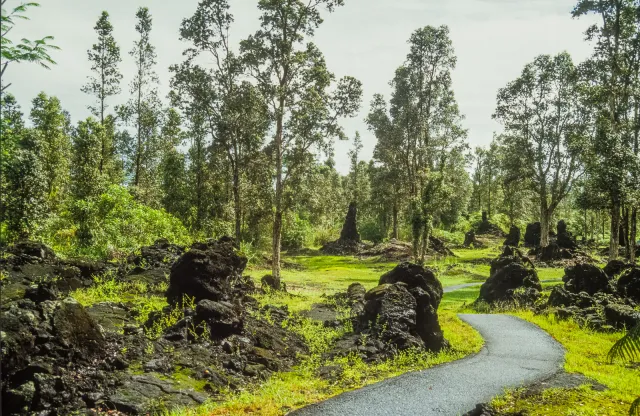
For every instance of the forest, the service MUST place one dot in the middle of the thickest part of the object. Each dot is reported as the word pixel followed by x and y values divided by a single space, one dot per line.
pixel 142 220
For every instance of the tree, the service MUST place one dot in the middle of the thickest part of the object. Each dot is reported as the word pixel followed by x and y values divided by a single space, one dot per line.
pixel 144 110
pixel 51 126
pixel 294 78
pixel 355 168
pixel 236 113
pixel 88 181
pixel 544 128
pixel 611 75
pixel 389 156
pixel 105 57
pixel 27 50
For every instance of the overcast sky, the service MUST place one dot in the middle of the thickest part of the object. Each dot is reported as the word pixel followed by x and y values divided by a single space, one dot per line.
pixel 493 40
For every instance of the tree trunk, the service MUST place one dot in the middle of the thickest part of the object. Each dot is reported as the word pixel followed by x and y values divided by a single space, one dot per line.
pixel 625 230
pixel 426 233
pixel 277 220
pixel 545 218
pixel 615 231
pixel 236 204
pixel 395 220
pixel 633 235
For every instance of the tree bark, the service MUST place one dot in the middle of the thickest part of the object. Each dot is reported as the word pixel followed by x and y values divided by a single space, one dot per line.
pixel 237 205
pixel 615 231
pixel 545 218
pixel 277 220
pixel 395 220
pixel 633 235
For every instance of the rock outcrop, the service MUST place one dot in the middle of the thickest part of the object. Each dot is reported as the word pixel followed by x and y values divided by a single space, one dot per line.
pixel 349 241
pixel 512 279
pixel 513 238
pixel 399 314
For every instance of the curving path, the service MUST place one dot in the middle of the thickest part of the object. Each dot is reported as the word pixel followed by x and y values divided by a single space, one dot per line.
pixel 515 353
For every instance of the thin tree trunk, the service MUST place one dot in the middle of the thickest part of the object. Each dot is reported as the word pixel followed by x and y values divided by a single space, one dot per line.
pixel 236 203
pixel 545 218
pixel 625 230
pixel 277 220
pixel 633 235
pixel 615 230
pixel 395 220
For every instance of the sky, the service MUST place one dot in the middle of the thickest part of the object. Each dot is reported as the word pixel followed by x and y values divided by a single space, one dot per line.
pixel 367 39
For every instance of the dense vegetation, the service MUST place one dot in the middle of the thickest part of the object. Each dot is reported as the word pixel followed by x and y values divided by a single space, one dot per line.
pixel 244 146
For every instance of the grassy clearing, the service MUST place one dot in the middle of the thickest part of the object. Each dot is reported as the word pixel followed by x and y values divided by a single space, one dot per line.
pixel 326 275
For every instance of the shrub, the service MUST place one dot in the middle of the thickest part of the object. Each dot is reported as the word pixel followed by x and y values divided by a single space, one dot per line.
pixel 116 224
pixel 296 233
pixel 371 230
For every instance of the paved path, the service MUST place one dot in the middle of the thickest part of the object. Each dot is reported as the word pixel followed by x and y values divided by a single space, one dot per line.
pixel 516 353
pixel 449 289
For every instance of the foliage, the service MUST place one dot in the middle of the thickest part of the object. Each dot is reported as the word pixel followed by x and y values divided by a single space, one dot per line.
pixel 118 224
pixel 36 51
pixel 105 57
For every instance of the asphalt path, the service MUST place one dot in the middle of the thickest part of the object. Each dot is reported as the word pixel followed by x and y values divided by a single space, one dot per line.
pixel 516 353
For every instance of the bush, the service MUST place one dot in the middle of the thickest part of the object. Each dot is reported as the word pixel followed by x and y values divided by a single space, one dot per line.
pixel 112 225
pixel 371 230
pixel 296 233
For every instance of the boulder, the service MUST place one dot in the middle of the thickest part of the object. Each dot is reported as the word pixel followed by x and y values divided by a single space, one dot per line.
pixel 532 235
pixel 621 316
pixel 390 313
pixel 350 227
pixel 161 254
pixel 222 318
pixel 564 238
pixel 615 267
pixel 469 238
pixel 207 271
pixel 512 279
pixel 427 291
pixel 584 277
pixel 513 238
pixel 33 249
pixel 629 284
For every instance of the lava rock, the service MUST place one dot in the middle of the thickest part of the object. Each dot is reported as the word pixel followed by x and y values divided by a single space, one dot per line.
pixel 513 238
pixel 622 316
pixel 511 277
pixel 207 271
pixel 615 267
pixel 629 284
pixel 564 238
pixel 584 277
pixel 532 234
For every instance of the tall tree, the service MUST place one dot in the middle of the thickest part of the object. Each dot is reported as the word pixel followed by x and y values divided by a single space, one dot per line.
pixel 51 126
pixel 236 114
pixel 36 51
pixel 545 126
pixel 292 74
pixel 611 74
pixel 104 57
pixel 144 111
pixel 355 173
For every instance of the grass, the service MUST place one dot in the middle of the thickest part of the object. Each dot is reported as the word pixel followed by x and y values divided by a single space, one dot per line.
pixel 316 275
pixel 326 275
pixel 586 354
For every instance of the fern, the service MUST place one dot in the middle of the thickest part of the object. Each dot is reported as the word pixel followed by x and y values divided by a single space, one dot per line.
pixel 628 347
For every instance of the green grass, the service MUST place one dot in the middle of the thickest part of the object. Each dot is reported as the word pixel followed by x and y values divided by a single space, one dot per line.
pixel 108 289
pixel 586 354
pixel 330 274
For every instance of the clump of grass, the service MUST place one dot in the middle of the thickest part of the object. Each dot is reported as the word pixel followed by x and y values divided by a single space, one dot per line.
pixel 581 401
pixel 107 288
